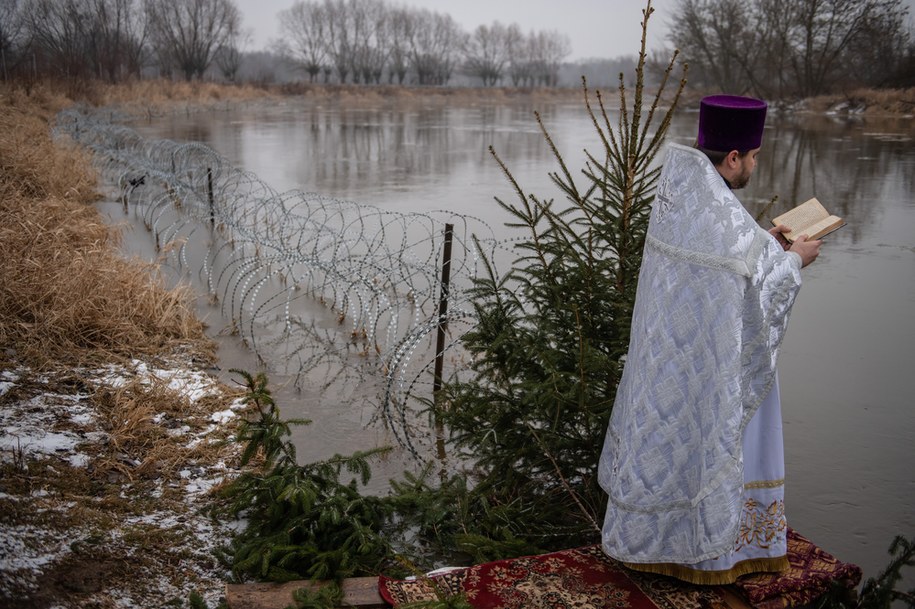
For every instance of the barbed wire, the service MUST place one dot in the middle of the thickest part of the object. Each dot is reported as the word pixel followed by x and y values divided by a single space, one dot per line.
pixel 323 289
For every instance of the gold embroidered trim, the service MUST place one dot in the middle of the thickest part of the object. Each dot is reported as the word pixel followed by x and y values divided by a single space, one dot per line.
pixel 765 483
pixel 713 578
pixel 761 525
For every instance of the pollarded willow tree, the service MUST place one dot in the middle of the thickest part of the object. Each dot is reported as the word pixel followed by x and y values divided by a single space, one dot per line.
pixel 551 338
pixel 492 53
pixel 486 53
pixel 366 41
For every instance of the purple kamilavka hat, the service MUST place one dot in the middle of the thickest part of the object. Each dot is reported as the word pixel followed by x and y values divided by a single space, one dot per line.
pixel 731 122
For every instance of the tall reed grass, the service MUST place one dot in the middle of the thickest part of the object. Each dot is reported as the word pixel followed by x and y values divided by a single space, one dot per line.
pixel 67 296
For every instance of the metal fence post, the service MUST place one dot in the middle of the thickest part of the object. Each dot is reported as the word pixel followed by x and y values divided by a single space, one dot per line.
pixel 440 340
pixel 210 196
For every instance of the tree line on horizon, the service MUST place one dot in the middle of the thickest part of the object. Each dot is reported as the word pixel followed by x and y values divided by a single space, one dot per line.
pixel 339 41
pixel 772 48
pixel 777 49
pixel 371 41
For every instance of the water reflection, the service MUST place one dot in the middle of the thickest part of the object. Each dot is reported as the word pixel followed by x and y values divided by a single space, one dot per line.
pixel 412 159
pixel 847 166
pixel 845 365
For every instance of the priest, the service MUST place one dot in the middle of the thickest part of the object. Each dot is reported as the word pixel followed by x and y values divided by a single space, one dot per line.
pixel 692 462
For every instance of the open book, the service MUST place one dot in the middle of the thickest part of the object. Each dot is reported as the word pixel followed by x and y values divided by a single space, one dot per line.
pixel 809 218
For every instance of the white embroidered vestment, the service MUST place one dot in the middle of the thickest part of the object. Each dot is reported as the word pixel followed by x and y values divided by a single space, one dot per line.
pixel 714 294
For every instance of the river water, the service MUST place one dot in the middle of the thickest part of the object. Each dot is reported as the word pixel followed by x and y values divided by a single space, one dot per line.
pixel 846 368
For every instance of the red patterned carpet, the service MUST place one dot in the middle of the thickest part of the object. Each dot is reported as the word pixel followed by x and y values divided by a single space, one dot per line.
pixel 811 573
pixel 585 578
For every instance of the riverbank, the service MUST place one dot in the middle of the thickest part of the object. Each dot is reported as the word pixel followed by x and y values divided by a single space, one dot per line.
pixel 111 428
pixel 150 97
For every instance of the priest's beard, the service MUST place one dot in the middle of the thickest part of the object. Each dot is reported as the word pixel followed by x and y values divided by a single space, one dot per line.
pixel 742 179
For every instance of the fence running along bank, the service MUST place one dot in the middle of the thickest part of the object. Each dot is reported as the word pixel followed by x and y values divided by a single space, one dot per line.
pixel 328 291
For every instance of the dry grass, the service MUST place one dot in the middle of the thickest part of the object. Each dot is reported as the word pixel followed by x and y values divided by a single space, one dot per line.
pixel 66 294
pixel 31 166
pixel 870 102
pixel 161 93
pixel 137 447
pixel 141 419
pixel 426 94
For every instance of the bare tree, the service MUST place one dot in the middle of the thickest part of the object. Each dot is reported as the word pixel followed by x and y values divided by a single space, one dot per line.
pixel 361 39
pixel 305 26
pixel 117 35
pixel 548 50
pixel 486 53
pixel 710 35
pixel 187 33
pixel 519 55
pixel 879 51
pixel 399 27
pixel 767 51
pixel 82 39
pixel 826 30
pixel 435 42
pixel 782 48
pixel 12 36
pixel 340 41
pixel 228 55
pixel 370 47
pixel 136 48
pixel 58 37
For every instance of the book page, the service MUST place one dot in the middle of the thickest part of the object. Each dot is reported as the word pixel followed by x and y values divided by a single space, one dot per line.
pixel 802 217
pixel 820 228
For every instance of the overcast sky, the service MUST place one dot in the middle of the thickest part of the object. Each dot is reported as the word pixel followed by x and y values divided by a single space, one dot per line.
pixel 596 28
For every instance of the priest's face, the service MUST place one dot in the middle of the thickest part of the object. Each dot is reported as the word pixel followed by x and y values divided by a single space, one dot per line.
pixel 745 170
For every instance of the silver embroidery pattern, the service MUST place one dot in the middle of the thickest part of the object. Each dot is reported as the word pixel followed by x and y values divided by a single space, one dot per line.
pixel 662 200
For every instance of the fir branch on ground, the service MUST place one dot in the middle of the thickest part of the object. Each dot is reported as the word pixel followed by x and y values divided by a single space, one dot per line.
pixel 303 522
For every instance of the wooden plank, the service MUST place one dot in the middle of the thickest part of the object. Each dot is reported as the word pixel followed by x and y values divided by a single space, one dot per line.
pixel 357 592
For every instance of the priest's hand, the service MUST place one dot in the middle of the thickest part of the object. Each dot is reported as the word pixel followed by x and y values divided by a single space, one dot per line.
pixel 778 233
pixel 807 250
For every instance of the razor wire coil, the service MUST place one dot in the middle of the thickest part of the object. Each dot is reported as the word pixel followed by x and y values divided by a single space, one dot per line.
pixel 269 257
